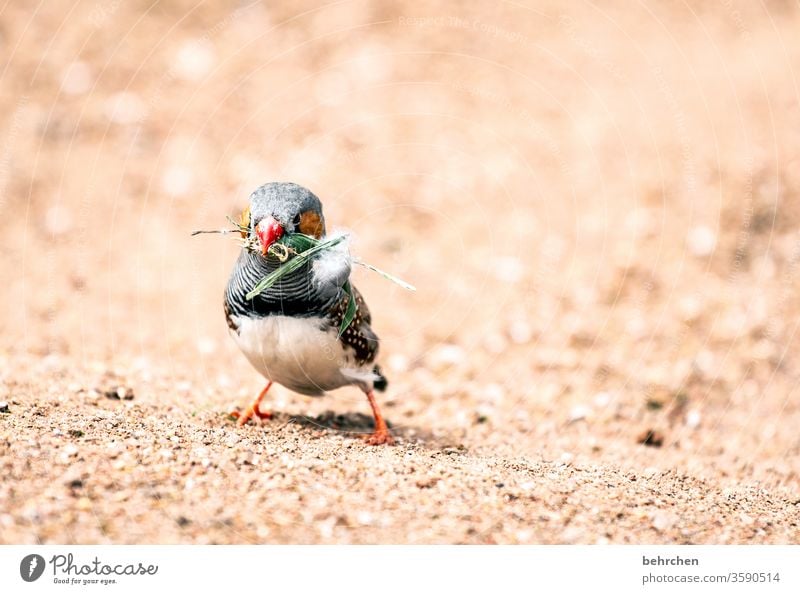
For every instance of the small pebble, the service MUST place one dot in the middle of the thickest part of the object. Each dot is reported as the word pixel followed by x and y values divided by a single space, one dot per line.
pixel 601 399
pixel 578 413
pixel 364 518
pixel 701 241
pixel 428 482
pixel 446 355
pixel 663 521
pixel 4 407
pixel 75 483
pixel 194 60
pixel 183 521
pixel 651 437
pixel 247 457
pixel 520 332
pixel 119 393
pixel 57 220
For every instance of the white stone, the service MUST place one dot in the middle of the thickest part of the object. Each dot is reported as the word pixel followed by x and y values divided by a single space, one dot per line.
pixel 636 326
pixel 701 241
pixel 663 521
pixel 601 399
pixel 578 413
pixel 194 60
pixel 364 518
pixel 690 308
pixel 520 332
pixel 58 220
pixel 447 354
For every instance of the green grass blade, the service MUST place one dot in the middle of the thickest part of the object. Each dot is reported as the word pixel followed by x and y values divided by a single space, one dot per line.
pixel 299 241
pixel 386 275
pixel 352 309
pixel 295 263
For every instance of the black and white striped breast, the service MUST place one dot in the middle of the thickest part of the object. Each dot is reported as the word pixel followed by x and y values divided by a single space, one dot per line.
pixel 296 294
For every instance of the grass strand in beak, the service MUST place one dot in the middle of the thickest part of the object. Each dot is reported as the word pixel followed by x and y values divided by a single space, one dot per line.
pixel 386 275
pixel 294 250
pixel 222 231
pixel 295 263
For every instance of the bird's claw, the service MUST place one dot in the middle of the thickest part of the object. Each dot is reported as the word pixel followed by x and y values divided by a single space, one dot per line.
pixel 380 438
pixel 251 411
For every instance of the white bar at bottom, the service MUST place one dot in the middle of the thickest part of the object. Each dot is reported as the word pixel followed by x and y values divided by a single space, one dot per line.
pixel 390 569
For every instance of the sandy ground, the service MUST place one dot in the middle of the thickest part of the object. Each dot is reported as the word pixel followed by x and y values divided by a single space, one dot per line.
pixel 598 205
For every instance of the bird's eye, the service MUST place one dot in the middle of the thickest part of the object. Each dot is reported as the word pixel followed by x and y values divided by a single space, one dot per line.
pixel 296 221
pixel 244 222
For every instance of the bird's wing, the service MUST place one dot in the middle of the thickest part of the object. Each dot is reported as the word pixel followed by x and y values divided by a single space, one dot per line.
pixel 358 336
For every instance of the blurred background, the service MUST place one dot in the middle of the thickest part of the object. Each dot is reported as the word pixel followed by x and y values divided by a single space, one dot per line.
pixel 597 201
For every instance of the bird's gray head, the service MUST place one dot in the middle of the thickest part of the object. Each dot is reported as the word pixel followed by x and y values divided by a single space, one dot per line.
pixel 282 207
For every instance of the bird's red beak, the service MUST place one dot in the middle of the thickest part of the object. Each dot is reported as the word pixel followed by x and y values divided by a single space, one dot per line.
pixel 269 231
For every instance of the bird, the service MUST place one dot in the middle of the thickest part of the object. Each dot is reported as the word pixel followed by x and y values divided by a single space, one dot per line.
pixel 290 332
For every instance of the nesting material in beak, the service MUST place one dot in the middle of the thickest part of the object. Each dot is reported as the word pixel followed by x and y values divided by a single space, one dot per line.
pixel 269 231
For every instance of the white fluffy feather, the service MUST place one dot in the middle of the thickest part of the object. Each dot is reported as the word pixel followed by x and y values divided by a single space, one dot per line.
pixel 332 266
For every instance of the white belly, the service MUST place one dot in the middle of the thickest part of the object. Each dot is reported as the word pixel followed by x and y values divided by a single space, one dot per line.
pixel 298 354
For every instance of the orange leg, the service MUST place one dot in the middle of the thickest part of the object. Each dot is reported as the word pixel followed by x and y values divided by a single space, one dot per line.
pixel 253 410
pixel 381 435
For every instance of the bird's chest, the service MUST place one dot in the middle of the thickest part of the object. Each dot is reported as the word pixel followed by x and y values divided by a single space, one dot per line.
pixel 303 354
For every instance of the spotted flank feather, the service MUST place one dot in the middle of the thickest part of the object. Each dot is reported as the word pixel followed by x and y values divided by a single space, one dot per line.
pixel 358 336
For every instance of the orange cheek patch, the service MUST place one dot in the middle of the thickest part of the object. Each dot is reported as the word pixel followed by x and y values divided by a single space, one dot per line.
pixel 311 224
pixel 244 221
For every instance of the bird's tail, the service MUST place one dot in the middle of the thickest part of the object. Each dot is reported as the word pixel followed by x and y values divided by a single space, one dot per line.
pixel 380 383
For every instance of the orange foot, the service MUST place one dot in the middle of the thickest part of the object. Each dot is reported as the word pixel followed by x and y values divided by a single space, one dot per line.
pixel 381 436
pixel 253 410
pixel 250 412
